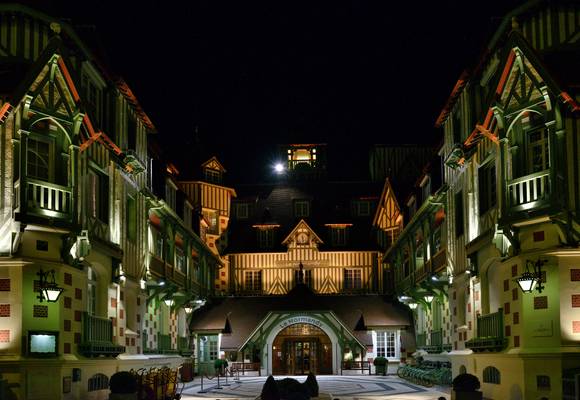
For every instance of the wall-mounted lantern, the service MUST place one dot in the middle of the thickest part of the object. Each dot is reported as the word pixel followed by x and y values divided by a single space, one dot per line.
pixel 529 281
pixel 428 298
pixel 48 289
pixel 412 306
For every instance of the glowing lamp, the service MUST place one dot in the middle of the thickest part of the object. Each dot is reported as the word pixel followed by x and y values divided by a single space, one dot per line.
pixel 279 168
pixel 428 298
pixel 413 306
pixel 529 281
pixel 188 309
pixel 48 289
pixel 168 302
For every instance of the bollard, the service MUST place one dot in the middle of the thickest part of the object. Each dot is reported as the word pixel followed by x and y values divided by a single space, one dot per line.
pixel 226 373
pixel 202 391
pixel 218 384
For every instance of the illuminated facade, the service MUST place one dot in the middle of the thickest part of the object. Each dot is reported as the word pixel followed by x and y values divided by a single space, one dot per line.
pixel 79 213
pixel 511 197
pixel 304 254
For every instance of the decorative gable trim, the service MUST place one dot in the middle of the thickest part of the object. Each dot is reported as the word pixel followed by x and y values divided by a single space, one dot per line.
pixel 214 164
pixel 300 226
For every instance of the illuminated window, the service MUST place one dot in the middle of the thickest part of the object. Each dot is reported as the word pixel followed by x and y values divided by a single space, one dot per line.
pixel 487 187
pixel 211 217
pixel 301 208
pixel 98 195
pixel 352 279
pixel 387 344
pixel 253 281
pixel 38 159
pixel 338 236
pixel 180 262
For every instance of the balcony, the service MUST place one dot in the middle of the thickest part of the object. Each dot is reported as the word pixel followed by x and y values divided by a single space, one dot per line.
pixel 132 159
pixel 421 340
pixel 164 344
pixel 490 333
pixel 439 261
pixel 97 337
pixel 44 199
pixel 435 343
pixel 183 346
pixel 529 191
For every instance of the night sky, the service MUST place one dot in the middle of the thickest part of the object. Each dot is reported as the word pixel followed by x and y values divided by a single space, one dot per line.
pixel 247 75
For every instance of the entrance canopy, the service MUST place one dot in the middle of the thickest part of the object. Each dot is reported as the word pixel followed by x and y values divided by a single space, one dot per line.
pixel 242 320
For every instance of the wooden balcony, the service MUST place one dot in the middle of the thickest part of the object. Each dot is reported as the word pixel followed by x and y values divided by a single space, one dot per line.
pixel 529 191
pixel 490 333
pixel 422 272
pixel 97 337
pixel 44 199
pixel 439 261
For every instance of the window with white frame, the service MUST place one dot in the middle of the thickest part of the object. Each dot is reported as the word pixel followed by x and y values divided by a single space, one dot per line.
pixel 538 151
pixel 208 348
pixel 387 344
pixel 211 218
pixel 39 163
pixel 180 263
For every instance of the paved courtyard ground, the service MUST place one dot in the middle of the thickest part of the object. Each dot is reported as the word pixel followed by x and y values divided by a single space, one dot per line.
pixel 339 387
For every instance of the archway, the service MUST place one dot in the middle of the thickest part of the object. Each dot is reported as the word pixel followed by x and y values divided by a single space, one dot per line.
pixel 302 348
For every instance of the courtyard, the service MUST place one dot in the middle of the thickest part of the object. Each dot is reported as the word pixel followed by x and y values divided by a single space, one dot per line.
pixel 338 387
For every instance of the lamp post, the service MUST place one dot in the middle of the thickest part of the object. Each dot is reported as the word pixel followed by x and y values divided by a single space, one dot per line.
pixel 48 289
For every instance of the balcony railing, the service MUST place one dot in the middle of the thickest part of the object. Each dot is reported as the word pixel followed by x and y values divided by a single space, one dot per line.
pixel 435 342
pixel 525 192
pixel 421 340
pixel 97 337
pixel 490 333
pixel 439 261
pixel 46 199
pixel 183 346
pixel 164 344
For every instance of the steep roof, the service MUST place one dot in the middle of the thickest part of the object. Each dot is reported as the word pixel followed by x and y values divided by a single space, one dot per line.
pixel 330 203
pixel 376 312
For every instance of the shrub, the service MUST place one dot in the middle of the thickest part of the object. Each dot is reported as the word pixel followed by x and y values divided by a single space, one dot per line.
pixel 270 390
pixel 123 382
pixel 380 362
pixel 466 383
pixel 312 384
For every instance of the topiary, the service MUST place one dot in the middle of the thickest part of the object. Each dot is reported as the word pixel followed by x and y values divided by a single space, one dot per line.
pixel 312 384
pixel 380 362
pixel 466 383
pixel 270 390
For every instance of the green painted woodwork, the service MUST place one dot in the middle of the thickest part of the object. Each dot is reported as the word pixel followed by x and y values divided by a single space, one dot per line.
pixel 490 333
pixel 97 337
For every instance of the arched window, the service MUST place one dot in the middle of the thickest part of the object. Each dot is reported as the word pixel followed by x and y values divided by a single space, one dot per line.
pixel 91 291
pixel 491 375
pixel 462 370
pixel 98 382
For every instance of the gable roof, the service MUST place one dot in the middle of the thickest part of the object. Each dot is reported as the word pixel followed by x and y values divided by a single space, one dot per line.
pixel 213 163
pixel 386 195
pixel 299 225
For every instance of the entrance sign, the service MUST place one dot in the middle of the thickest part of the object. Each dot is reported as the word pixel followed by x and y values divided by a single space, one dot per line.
pixel 300 320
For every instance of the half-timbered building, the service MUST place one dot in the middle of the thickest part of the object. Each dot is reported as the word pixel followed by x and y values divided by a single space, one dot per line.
pixel 79 291
pixel 511 154
pixel 304 257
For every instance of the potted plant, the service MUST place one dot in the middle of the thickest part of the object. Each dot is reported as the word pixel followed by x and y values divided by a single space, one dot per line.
pixel 380 364
pixel 123 385
pixel 465 387
pixel 220 366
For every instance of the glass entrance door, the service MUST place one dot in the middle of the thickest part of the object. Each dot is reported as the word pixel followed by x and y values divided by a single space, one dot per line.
pixel 305 357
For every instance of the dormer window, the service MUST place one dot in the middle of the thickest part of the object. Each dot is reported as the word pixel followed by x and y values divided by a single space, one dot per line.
pixel 265 238
pixel 301 208
pixel 242 210
pixel 362 208
pixel 212 175
pixel 338 235
pixel 301 155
